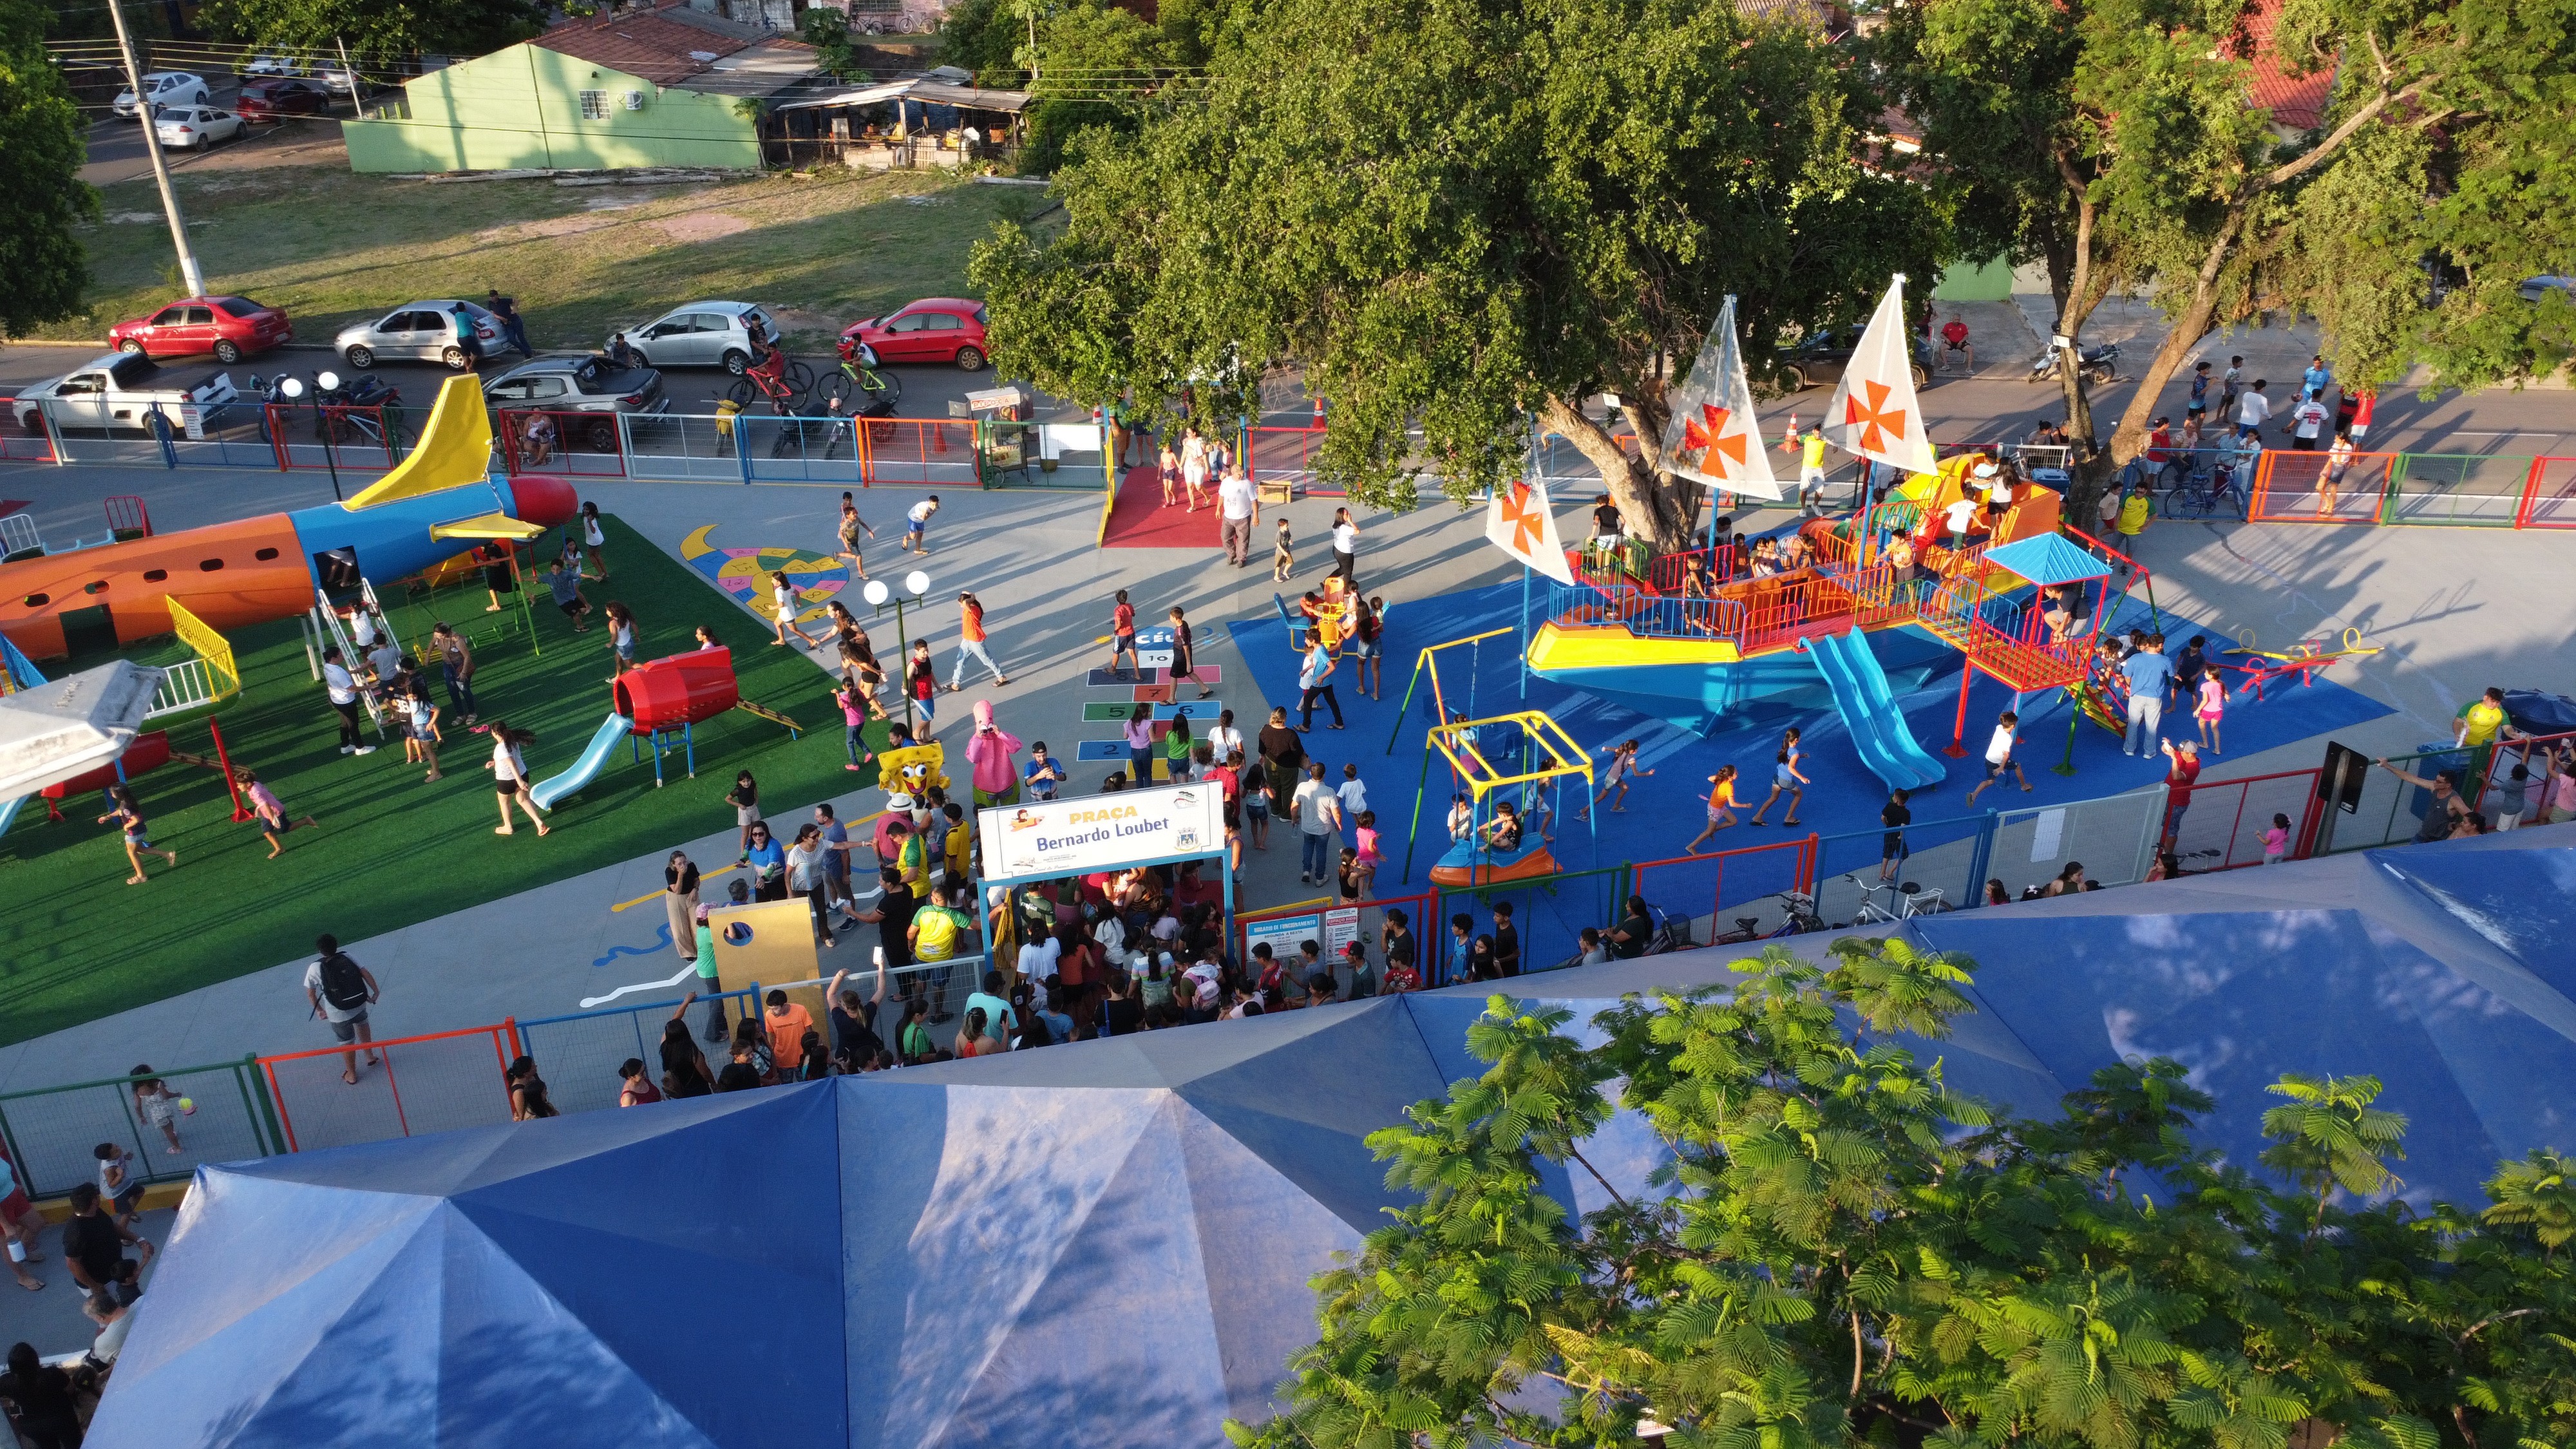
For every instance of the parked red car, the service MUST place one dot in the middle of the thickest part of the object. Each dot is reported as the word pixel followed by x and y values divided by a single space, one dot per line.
pixel 229 327
pixel 934 329
pixel 277 99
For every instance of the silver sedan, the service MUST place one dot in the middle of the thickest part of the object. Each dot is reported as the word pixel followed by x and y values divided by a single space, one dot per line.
pixel 422 331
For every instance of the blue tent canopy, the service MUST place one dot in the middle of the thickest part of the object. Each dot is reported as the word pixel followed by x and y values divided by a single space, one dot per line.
pixel 2047 559
pixel 1110 1243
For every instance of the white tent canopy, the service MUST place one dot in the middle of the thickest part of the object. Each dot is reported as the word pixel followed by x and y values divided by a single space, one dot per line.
pixel 65 728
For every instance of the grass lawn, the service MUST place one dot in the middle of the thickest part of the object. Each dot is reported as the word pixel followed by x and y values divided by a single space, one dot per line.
pixel 392 850
pixel 332 247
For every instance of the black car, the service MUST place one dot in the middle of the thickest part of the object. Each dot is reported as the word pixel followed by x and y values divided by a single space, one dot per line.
pixel 1817 359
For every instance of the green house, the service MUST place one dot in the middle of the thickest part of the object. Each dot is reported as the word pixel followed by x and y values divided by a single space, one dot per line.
pixel 670 87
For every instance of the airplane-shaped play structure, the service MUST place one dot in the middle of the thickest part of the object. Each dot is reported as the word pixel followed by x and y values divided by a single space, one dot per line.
pixel 443 498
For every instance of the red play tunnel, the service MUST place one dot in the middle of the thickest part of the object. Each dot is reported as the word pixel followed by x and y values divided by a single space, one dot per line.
pixel 665 694
pixel 148 752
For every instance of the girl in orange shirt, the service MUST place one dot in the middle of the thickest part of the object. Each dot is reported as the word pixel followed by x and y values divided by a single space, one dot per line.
pixel 1721 806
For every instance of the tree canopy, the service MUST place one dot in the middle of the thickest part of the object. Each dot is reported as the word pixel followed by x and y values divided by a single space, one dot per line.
pixel 41 154
pixel 1453 219
pixel 2439 153
pixel 1844 1251
pixel 378 32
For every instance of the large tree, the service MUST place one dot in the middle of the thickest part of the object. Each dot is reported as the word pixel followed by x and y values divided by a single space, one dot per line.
pixel 1990 85
pixel 2447 134
pixel 1845 1251
pixel 1455 218
pixel 41 153
pixel 378 32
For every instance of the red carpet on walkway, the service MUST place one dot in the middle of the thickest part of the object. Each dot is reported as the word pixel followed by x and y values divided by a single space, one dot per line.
pixel 1138 518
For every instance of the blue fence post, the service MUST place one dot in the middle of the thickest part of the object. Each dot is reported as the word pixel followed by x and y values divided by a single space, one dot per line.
pixel 742 446
pixel 1982 856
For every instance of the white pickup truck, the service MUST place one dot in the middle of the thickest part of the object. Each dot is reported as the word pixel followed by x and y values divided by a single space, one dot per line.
pixel 115 391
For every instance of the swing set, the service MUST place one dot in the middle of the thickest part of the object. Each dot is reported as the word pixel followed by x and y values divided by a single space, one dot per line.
pixel 1491 759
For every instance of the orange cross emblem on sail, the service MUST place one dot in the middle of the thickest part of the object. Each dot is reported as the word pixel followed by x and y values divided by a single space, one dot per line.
pixel 1706 436
pixel 1871 416
pixel 1528 527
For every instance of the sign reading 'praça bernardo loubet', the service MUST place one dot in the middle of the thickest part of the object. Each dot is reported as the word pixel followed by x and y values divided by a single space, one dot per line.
pixel 1099 832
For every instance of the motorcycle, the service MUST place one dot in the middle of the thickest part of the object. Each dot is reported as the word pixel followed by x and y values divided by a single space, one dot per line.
pixel 2098 364
pixel 363 406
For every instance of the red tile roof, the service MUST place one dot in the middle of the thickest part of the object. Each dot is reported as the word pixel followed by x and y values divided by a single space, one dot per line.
pixel 658 50
pixel 2298 102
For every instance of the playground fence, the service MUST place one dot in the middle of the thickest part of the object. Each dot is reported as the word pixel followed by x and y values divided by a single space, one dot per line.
pixel 585 444
pixel 2223 824
pixel 680 448
pixel 1713 891
pixel 53 1132
pixel 942 452
pixel 1944 855
pixel 2389 810
pixel 2459 490
pixel 1283 457
pixel 2114 838
pixel 421 1084
pixel 2549 499
pixel 23 445
pixel 579 1053
pixel 2291 487
pixel 1550 913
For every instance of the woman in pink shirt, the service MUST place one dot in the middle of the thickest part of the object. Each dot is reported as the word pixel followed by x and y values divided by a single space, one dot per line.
pixel 989 750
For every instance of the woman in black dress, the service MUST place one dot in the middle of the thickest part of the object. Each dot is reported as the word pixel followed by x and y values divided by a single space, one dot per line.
pixel 1283 760
pixel 1185 658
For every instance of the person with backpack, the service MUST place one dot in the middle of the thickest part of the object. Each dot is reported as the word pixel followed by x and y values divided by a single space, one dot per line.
pixel 340 991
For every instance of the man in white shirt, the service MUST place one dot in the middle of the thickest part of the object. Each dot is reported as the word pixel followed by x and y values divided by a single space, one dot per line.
pixel 2309 418
pixel 1238 506
pixel 2252 410
pixel 343 688
pixel 1318 812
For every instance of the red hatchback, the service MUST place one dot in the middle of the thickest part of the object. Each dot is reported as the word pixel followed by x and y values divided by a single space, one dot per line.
pixel 275 100
pixel 934 329
pixel 229 327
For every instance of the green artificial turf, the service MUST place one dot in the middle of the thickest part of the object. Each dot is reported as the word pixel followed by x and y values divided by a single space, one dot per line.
pixel 79 944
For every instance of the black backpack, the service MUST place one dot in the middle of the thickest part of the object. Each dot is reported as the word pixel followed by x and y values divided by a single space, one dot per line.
pixel 343 984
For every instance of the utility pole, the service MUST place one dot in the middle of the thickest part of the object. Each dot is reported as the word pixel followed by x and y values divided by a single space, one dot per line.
pixel 195 279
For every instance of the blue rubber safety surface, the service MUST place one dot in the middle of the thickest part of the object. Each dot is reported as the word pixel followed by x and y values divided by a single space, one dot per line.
pixel 1665 810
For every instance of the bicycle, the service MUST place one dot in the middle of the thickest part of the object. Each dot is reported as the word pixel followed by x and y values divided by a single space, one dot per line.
pixel 2207 494
pixel 784 386
pixel 1798 910
pixel 878 391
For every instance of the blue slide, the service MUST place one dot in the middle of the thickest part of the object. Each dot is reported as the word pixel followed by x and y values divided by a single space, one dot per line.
pixel 9 811
pixel 592 761
pixel 1869 711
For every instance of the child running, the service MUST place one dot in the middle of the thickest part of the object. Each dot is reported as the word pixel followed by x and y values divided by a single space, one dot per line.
pixel 1616 776
pixel 1122 636
pixel 1999 755
pixel 1721 806
pixel 269 812
pixel 1785 776
pixel 783 604
pixel 851 524
pixel 2212 705
pixel 138 837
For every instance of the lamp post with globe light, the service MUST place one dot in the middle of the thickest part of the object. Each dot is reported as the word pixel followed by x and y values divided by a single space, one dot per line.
pixel 293 389
pixel 916 583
